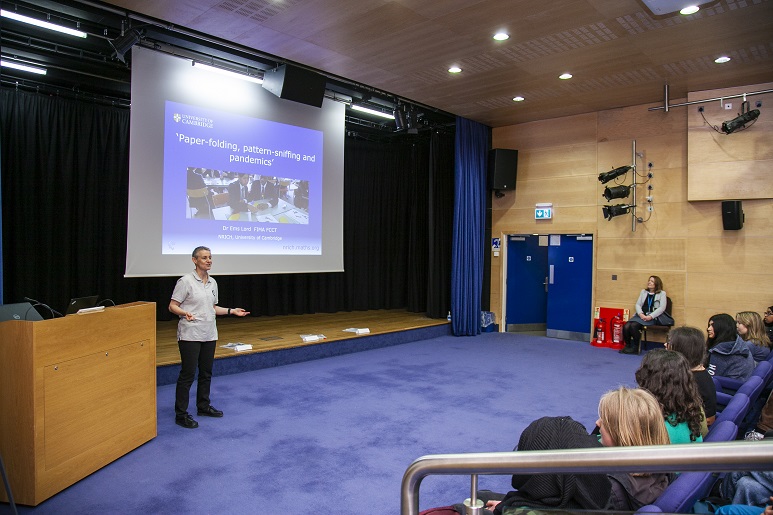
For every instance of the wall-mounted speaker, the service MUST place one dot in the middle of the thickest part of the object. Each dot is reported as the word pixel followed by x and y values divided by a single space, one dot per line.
pixel 296 84
pixel 732 215
pixel 502 168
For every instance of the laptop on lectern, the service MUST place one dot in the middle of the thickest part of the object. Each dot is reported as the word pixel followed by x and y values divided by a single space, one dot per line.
pixel 79 303
pixel 20 311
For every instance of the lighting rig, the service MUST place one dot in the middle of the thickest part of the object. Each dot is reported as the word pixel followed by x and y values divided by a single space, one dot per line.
pixel 624 191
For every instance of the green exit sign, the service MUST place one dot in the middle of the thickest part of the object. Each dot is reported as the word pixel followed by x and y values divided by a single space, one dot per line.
pixel 543 213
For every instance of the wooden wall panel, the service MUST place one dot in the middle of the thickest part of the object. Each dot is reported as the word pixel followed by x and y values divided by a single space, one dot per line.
pixel 704 220
pixel 729 166
pixel 570 130
pixel 705 269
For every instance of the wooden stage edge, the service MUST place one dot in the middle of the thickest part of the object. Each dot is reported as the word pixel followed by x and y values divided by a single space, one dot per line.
pixel 271 333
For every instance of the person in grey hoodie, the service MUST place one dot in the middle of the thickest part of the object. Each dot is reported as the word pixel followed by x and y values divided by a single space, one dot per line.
pixel 728 356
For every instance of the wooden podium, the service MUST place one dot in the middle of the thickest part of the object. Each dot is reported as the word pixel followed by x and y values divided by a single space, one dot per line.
pixel 76 393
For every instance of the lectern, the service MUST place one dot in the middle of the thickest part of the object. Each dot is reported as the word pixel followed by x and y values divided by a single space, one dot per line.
pixel 76 393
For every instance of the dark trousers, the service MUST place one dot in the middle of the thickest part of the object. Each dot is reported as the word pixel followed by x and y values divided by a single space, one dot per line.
pixel 193 354
pixel 632 333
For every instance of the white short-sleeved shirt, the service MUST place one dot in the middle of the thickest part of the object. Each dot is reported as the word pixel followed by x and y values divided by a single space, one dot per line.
pixel 200 299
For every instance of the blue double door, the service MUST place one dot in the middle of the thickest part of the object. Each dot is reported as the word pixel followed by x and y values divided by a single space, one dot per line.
pixel 549 284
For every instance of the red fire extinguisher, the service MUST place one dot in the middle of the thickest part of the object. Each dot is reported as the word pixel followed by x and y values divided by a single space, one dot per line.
pixel 600 330
pixel 617 330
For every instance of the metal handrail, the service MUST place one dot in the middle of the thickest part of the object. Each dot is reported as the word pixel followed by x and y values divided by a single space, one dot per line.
pixel 702 457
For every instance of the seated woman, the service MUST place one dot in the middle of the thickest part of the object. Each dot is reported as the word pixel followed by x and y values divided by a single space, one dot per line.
pixel 751 329
pixel 551 491
pixel 728 356
pixel 666 375
pixel 650 305
pixel 632 417
pixel 688 341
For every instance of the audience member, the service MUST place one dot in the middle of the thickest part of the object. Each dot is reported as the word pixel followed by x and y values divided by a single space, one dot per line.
pixel 768 321
pixel 551 491
pixel 689 342
pixel 666 375
pixel 650 305
pixel 751 329
pixel 744 509
pixel 632 417
pixel 728 356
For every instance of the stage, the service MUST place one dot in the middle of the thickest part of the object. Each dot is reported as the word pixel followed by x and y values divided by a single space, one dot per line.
pixel 277 340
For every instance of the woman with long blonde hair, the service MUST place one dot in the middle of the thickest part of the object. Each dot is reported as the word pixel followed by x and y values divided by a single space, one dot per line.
pixel 751 329
pixel 631 417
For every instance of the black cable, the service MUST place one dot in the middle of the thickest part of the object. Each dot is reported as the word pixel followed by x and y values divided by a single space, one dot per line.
pixel 7 486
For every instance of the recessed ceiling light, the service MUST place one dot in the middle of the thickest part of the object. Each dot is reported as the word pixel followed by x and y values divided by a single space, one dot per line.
pixel 723 59
pixel 518 99
pixel 690 9
pixel 565 76
pixel 501 36
pixel 454 69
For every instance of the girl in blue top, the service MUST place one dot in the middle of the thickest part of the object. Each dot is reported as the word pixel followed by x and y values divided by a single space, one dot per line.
pixel 666 375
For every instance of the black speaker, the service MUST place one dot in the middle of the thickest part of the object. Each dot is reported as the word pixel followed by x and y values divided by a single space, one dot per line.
pixel 296 84
pixel 732 215
pixel 502 168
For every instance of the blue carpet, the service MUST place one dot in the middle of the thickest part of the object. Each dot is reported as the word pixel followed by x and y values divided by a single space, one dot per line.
pixel 335 435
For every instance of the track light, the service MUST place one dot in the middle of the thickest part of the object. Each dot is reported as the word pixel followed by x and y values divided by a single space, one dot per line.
pixel 610 212
pixel 613 174
pixel 40 23
pixel 740 121
pixel 122 44
pixel 617 192
pixel 399 115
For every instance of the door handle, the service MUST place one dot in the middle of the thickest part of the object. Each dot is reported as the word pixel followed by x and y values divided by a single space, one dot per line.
pixel 552 273
pixel 545 284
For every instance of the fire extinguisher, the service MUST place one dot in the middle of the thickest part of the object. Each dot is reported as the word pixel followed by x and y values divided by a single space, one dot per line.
pixel 617 330
pixel 600 329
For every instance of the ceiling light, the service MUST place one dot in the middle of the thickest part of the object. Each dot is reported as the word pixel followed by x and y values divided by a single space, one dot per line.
pixel 610 212
pixel 374 112
pixel 565 76
pixel 613 174
pixel 40 23
pixel 454 69
pixel 229 73
pixel 501 36
pixel 722 59
pixel 617 192
pixel 518 99
pixel 690 9
pixel 23 67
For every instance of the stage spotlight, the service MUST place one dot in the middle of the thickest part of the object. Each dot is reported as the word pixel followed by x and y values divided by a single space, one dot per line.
pixel 612 211
pixel 612 174
pixel 740 121
pixel 122 44
pixel 617 192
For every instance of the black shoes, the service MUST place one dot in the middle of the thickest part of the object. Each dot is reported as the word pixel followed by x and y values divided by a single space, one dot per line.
pixel 186 421
pixel 210 411
pixel 628 349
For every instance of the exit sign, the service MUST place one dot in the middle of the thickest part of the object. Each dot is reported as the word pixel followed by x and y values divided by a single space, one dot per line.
pixel 543 213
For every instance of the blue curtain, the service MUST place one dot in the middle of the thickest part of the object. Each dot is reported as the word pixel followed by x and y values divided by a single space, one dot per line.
pixel 472 144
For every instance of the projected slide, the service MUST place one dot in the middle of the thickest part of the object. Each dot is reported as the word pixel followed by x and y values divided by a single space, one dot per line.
pixel 252 185
pixel 224 163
